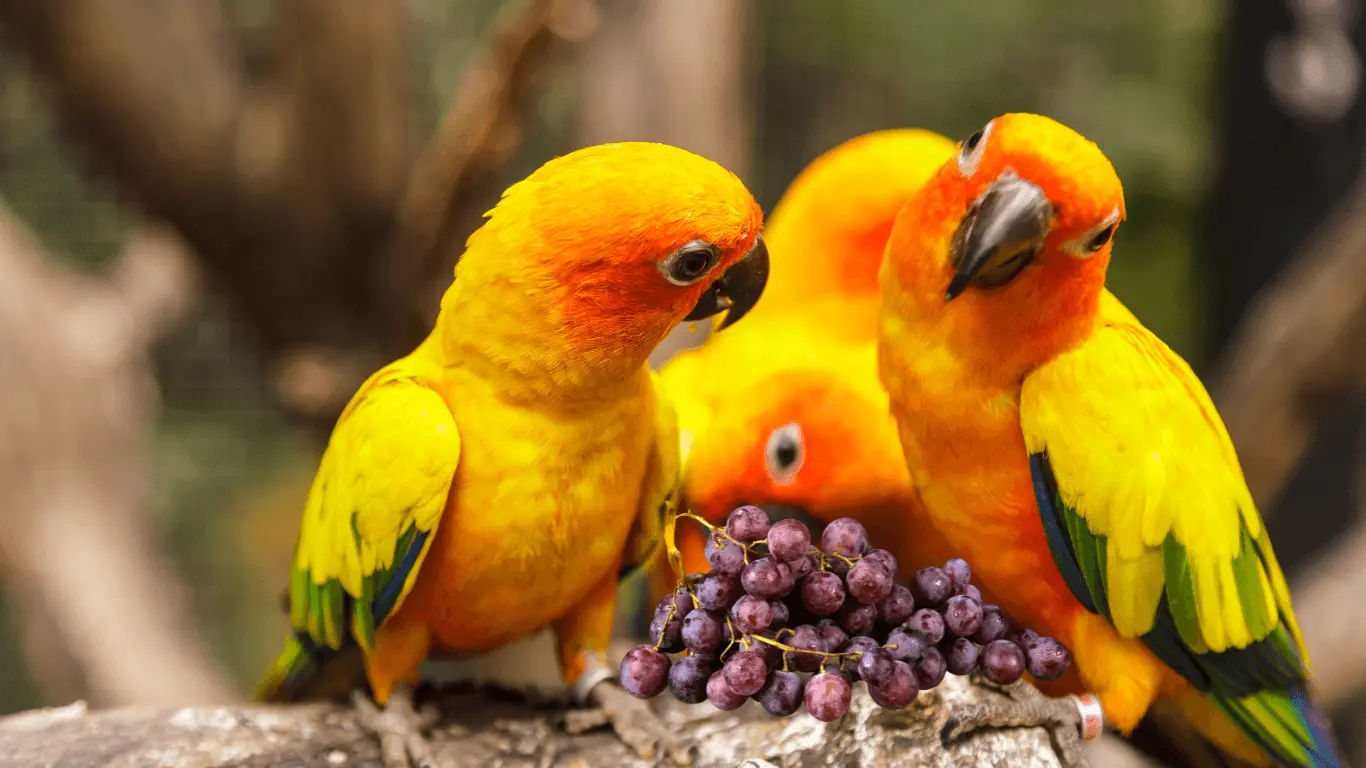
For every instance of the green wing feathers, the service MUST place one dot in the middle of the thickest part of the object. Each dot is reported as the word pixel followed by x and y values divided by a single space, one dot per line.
pixel 378 497
pixel 1152 526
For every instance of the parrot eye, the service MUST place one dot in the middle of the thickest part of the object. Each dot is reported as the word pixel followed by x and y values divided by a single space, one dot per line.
pixel 1094 239
pixel 971 153
pixel 690 263
pixel 785 453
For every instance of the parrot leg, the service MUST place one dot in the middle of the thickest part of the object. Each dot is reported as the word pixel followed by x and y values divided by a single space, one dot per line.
pixel 398 727
pixel 1026 707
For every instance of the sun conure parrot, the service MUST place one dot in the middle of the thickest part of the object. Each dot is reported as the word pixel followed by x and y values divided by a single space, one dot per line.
pixel 787 408
pixel 499 478
pixel 1073 458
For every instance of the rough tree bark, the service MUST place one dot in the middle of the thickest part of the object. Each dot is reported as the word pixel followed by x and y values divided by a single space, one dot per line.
pixel 481 727
pixel 79 399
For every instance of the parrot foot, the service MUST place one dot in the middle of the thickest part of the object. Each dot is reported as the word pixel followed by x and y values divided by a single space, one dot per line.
pixel 1026 708
pixel 637 725
pixel 399 729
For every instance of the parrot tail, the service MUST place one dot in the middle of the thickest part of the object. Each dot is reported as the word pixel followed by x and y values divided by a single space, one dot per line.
pixel 1286 725
pixel 305 671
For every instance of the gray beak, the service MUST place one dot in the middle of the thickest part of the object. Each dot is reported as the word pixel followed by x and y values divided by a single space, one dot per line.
pixel 737 290
pixel 1000 235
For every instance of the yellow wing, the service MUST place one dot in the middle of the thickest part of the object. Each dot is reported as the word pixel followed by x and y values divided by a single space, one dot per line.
pixel 376 501
pixel 1152 526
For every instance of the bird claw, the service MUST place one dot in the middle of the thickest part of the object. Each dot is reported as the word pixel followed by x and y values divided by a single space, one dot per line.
pixel 1063 718
pixel 399 729
pixel 637 725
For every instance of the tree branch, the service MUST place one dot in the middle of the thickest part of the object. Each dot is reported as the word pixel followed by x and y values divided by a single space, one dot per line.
pixel 1297 352
pixel 483 727
pixel 74 528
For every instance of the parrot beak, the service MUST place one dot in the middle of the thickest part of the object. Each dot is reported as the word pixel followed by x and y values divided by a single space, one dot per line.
pixel 1000 235
pixel 738 289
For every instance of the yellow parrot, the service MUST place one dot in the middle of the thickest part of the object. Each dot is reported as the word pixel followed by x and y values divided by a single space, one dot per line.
pixel 787 409
pixel 1074 459
pixel 500 478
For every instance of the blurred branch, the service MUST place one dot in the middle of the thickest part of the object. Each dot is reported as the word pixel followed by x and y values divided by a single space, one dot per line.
pixel 457 174
pixel 102 611
pixel 298 186
pixel 1326 606
pixel 1299 351
pixel 483 727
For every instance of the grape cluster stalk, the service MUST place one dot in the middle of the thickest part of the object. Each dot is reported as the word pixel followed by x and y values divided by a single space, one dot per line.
pixel 794 625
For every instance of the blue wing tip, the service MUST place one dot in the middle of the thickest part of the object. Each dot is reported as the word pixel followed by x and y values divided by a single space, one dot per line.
pixel 1323 751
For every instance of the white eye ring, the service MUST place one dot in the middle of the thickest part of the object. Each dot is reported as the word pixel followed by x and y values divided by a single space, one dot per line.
pixel 1090 243
pixel 785 453
pixel 971 152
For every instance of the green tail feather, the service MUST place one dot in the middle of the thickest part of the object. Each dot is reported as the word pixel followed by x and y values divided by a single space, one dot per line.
pixel 1284 724
pixel 300 672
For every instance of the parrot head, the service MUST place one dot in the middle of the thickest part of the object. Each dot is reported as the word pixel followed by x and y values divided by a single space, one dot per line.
pixel 592 259
pixel 1013 234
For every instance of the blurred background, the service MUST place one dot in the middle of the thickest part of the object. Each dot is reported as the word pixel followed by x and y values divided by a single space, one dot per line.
pixel 216 216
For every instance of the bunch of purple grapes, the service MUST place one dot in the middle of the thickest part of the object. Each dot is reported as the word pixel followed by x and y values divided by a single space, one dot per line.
pixel 789 624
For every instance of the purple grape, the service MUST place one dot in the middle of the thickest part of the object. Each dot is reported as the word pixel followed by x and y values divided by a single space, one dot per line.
pixel 832 635
pixel 962 616
pixel 959 572
pixel 896 607
pixel 857 618
pixel 725 556
pixel 747 524
pixel 909 645
pixel 729 632
pixel 885 557
pixel 1002 662
pixel 789 540
pixel 751 614
pixel 837 567
pixel 875 666
pixel 644 672
pixel 970 591
pixel 899 690
pixel 827 696
pixel 766 578
pixel 805 638
pixel 773 656
pixel 702 631
pixel 745 672
pixel 782 694
pixel 781 614
pixel 845 536
pixel 960 655
pixel 667 630
pixel 682 603
pixel 822 593
pixel 717 592
pixel 719 693
pixel 688 679
pixel 1048 659
pixel 805 565
pixel 929 622
pixel 931 669
pixel 858 645
pixel 931 587
pixel 869 581
pixel 1023 638
pixel 995 625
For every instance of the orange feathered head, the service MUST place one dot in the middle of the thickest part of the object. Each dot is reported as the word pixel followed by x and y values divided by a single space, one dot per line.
pixel 1012 233
pixel 605 249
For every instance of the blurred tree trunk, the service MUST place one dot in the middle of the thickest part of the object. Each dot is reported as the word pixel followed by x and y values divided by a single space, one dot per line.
pixel 102 612
pixel 1292 143
pixel 677 73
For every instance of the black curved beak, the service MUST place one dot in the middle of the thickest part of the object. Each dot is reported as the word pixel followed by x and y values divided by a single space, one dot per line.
pixel 737 290
pixel 1000 235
